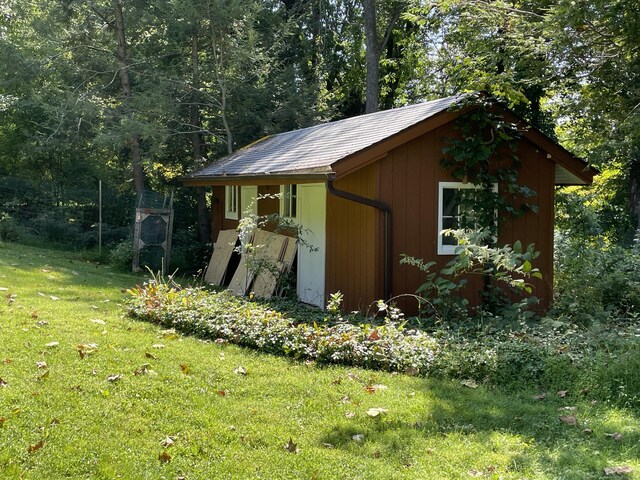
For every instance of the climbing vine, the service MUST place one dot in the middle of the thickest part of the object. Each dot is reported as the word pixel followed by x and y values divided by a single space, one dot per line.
pixel 485 155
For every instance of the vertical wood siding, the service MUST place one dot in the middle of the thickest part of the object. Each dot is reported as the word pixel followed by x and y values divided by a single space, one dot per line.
pixel 408 181
pixel 353 261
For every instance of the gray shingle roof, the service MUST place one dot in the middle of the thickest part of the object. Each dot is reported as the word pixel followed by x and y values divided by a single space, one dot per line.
pixel 315 149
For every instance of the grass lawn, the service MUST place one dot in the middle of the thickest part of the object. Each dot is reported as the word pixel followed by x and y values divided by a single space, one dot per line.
pixel 86 392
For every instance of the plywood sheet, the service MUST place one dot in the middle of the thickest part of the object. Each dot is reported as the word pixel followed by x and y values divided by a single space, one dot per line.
pixel 221 254
pixel 265 282
pixel 270 247
pixel 241 279
pixel 289 252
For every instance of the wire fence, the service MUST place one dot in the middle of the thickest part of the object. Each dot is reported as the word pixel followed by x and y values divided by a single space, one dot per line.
pixel 45 213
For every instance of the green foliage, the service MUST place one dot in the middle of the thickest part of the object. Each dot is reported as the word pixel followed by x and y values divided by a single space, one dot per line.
pixel 222 315
pixel 485 155
pixel 509 266
pixel 594 281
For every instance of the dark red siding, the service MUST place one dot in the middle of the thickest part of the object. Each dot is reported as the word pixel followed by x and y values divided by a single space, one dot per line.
pixel 353 250
pixel 407 179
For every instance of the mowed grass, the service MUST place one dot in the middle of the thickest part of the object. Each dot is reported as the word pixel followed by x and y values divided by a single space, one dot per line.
pixel 123 399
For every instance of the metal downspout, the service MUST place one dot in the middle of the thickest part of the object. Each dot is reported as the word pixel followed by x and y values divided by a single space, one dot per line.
pixel 387 226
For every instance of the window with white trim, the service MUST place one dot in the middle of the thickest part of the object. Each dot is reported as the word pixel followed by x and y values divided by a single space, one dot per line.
pixel 289 201
pixel 231 202
pixel 455 212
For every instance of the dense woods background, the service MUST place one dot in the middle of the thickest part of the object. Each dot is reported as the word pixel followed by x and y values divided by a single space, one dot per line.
pixel 138 93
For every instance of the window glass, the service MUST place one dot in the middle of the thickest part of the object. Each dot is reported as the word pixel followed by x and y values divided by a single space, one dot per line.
pixel 455 211
pixel 231 202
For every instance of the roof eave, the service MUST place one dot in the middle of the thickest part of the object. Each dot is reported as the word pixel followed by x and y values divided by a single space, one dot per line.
pixel 255 179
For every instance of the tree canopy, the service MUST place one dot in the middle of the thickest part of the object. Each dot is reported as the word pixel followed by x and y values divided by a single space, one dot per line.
pixel 138 93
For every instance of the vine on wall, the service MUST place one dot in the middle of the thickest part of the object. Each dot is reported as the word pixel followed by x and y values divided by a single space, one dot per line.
pixel 485 155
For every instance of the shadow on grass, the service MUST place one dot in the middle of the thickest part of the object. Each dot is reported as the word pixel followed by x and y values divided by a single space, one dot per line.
pixel 490 417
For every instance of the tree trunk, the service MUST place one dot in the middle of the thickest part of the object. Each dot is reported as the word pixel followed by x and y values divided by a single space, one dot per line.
pixel 372 56
pixel 203 212
pixel 134 142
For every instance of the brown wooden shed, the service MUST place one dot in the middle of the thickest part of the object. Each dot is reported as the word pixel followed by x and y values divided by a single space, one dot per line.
pixel 371 188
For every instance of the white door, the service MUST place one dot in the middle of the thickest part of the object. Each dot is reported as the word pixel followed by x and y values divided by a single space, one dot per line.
pixel 312 202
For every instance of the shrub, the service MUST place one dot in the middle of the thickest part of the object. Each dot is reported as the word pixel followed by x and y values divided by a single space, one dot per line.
pixel 9 229
pixel 595 281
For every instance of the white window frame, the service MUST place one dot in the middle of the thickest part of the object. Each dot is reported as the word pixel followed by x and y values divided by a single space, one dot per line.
pixel 451 249
pixel 288 201
pixel 231 201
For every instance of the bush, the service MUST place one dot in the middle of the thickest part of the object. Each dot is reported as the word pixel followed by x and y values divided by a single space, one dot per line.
pixel 594 281
pixel 9 229
pixel 121 254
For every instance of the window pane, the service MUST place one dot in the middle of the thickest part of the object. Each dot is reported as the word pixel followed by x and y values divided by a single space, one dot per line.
pixel 449 201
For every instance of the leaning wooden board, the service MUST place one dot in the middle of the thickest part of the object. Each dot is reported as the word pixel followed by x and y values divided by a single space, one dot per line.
pixel 221 254
pixel 270 248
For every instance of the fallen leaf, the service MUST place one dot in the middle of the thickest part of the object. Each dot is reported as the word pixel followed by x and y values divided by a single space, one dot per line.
pixel 144 369
pixel 358 437
pixel 291 447
pixel 540 396
pixel 35 447
pixel 563 393
pixel 3 383
pixel 40 294
pixel 114 378
pixel 345 399
pixel 221 340
pixel 98 321
pixel 167 442
pixel 86 349
pixel 568 419
pixel 34 314
pixel 587 431
pixel 54 298
pixel 164 457
pixel 52 344
pixel 623 470
pixel 240 371
pixel 615 436
pixel 370 389
pixel 43 376
pixel 328 445
pixel 2 420
pixel 469 383
pixel 169 334
pixel 3 289
pixel 54 422
pixel 186 369
pixel 377 454
pixel 377 412
pixel 42 323
pixel 7 361
pixel 350 414
pixel 374 336
pixel 221 393
pixel 150 355
pixel 568 409
pixel 337 381
pixel 157 346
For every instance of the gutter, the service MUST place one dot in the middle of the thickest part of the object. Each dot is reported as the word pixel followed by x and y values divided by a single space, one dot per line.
pixel 387 226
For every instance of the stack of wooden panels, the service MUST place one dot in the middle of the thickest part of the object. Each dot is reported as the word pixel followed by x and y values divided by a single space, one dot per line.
pixel 272 253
